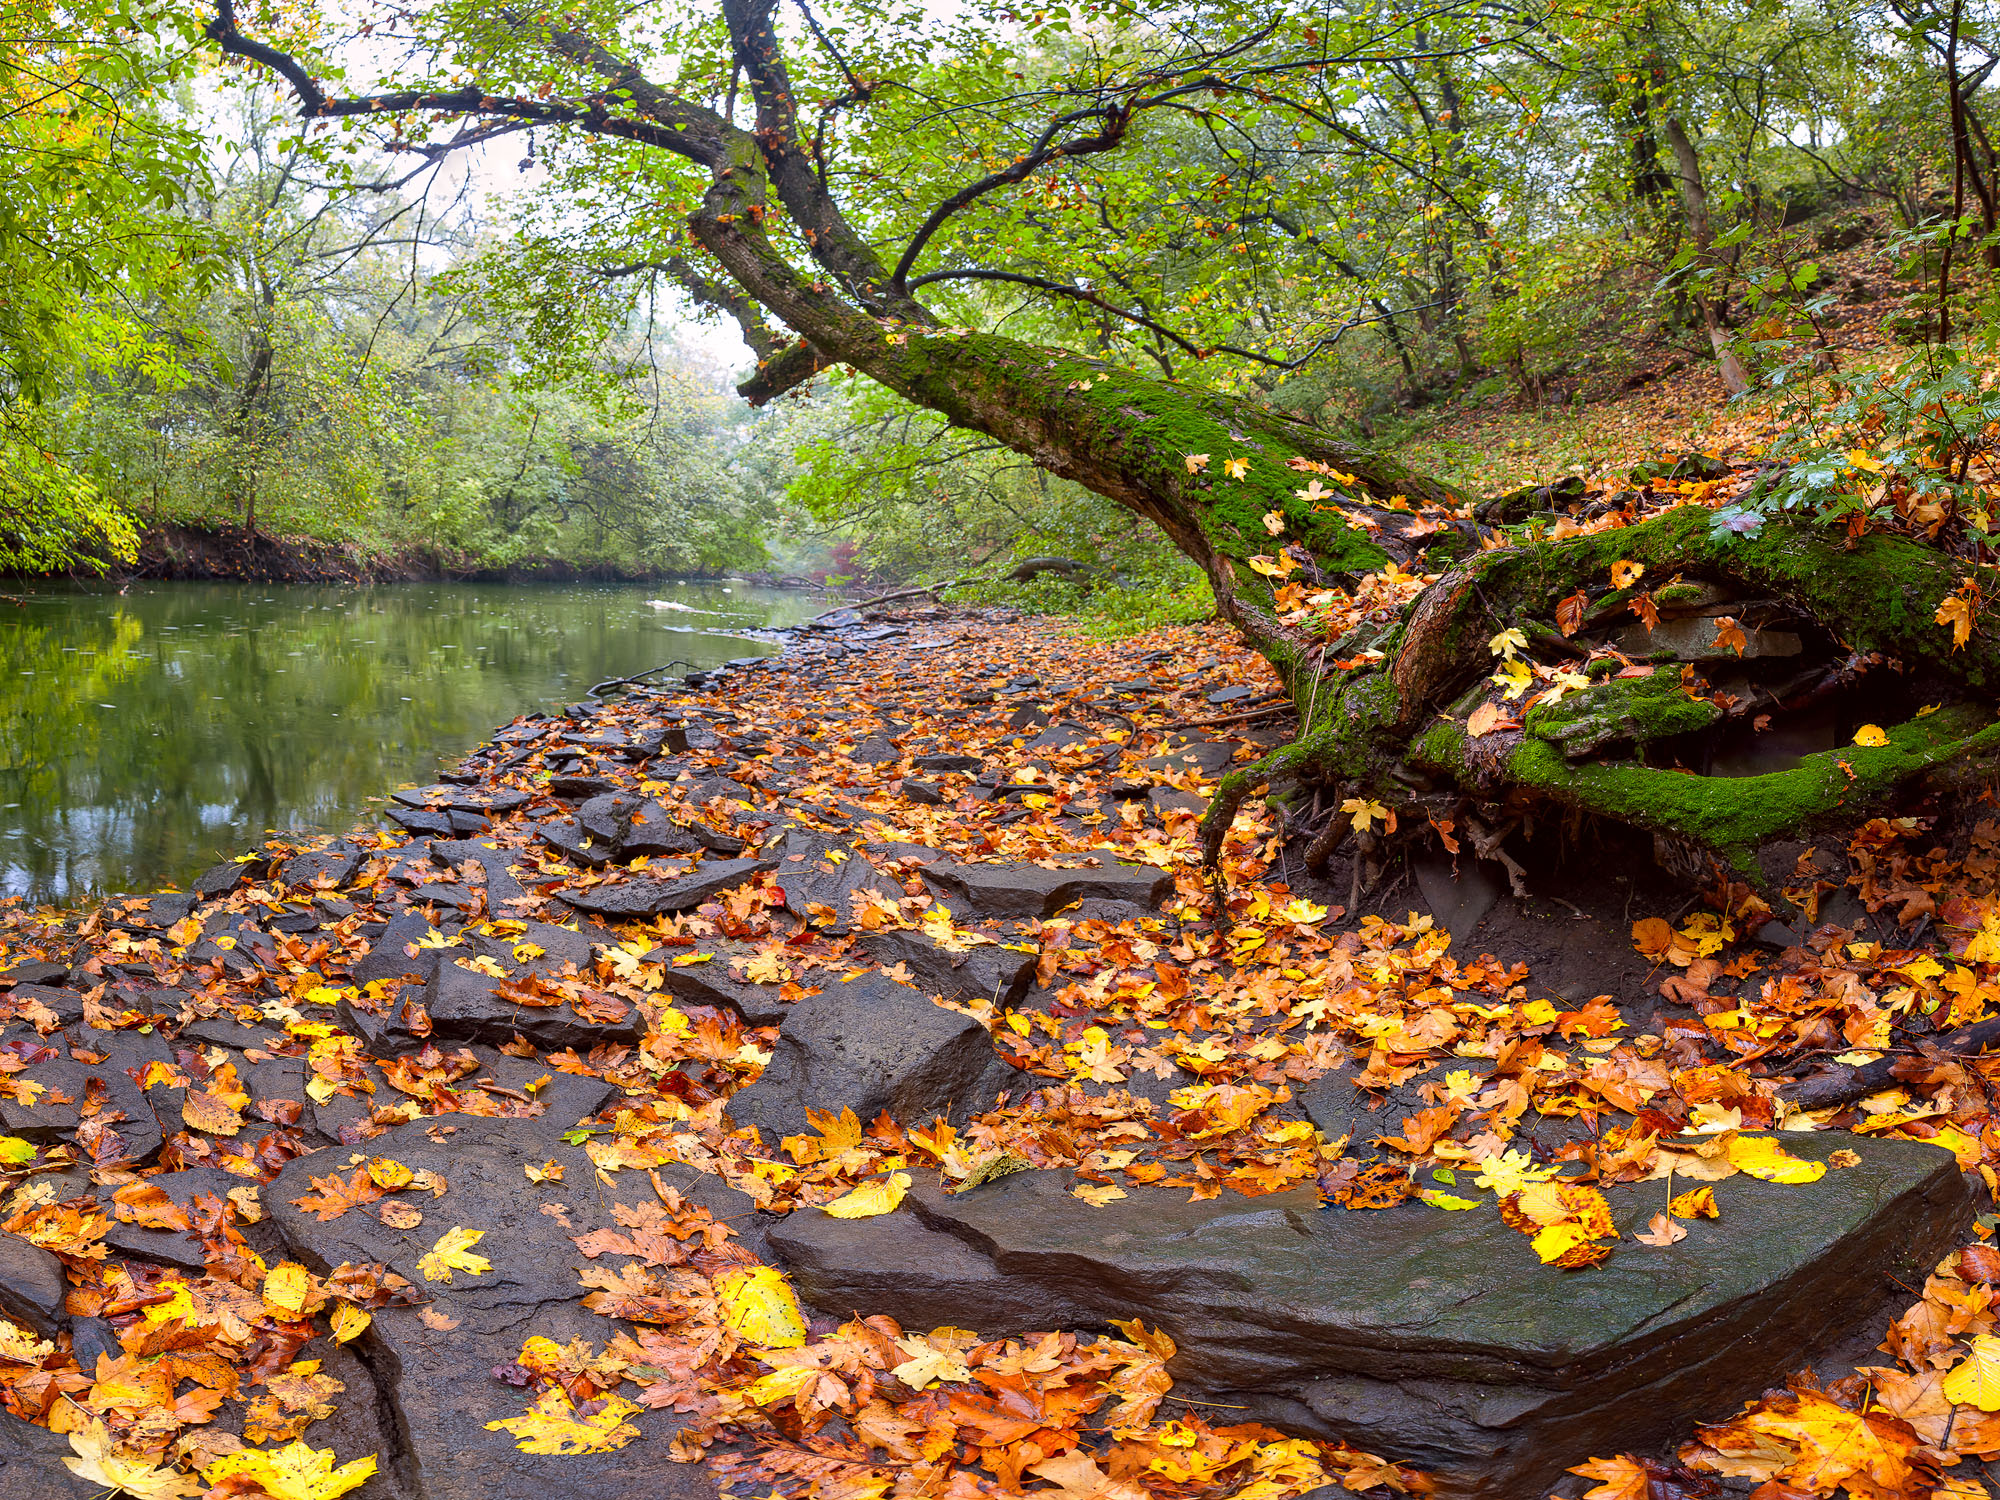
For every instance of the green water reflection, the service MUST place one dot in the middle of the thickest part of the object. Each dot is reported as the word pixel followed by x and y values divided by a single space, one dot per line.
pixel 144 735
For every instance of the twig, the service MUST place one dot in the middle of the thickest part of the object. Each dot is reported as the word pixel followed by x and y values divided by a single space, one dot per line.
pixel 1844 1085
pixel 929 588
pixel 607 685
pixel 1248 713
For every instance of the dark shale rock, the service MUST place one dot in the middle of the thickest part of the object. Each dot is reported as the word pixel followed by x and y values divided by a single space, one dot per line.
pixel 36 971
pixel 632 826
pixel 67 1004
pixel 220 880
pixel 501 884
pixel 868 1045
pixel 31 1463
pixel 397 952
pixel 810 875
pixel 569 839
pixel 437 1378
pixel 985 971
pixel 31 1287
pixel 947 762
pixel 336 865
pixel 1435 1337
pixel 125 1112
pixel 715 983
pixel 649 896
pixel 1031 891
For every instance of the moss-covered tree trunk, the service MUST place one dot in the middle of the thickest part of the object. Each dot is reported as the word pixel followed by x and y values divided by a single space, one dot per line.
pixel 1486 673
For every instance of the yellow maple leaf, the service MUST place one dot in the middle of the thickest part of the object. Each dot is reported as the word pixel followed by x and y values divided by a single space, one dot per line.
pixel 757 1303
pixel 1698 1203
pixel 1195 462
pixel 1871 737
pixel 95 1463
pixel 294 1472
pixel 871 1198
pixel 1762 1157
pixel 1625 573
pixel 286 1289
pixel 1976 1381
pixel 452 1253
pixel 554 1425
pixel 1236 468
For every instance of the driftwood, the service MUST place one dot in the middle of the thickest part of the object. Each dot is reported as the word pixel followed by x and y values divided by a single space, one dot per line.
pixel 1844 1085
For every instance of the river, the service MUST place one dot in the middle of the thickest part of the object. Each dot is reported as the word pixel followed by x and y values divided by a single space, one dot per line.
pixel 147 733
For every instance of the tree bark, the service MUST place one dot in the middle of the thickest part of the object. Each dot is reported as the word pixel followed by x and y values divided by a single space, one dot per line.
pixel 1694 203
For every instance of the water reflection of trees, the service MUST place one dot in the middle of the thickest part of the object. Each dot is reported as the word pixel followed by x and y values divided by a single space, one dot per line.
pixel 239 709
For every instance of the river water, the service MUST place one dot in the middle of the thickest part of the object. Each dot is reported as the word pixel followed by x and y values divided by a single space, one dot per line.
pixel 144 735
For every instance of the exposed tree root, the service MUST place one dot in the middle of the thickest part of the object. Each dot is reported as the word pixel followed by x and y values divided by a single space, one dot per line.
pixel 1627 695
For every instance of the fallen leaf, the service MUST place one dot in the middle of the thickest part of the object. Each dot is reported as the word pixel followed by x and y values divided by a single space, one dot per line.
pixel 554 1425
pixel 451 1253
pixel 1661 1231
pixel 294 1472
pixel 871 1198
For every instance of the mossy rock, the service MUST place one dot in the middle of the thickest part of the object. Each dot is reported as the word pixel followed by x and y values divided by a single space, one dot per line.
pixel 1625 710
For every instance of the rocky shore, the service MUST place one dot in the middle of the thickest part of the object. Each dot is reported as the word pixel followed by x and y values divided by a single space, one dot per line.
pixel 498 1145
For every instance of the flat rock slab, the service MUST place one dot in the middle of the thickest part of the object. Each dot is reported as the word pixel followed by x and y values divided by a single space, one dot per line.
pixel 871 1045
pixel 984 971
pixel 648 896
pixel 1435 1337
pixel 1031 891
pixel 436 1378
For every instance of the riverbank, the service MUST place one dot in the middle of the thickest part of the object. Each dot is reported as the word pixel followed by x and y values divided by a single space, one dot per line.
pixel 184 553
pixel 685 1073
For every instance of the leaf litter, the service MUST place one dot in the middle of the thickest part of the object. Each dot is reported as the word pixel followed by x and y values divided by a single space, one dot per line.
pixel 1266 991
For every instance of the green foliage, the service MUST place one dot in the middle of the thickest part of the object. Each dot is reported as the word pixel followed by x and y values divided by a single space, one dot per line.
pixel 93 175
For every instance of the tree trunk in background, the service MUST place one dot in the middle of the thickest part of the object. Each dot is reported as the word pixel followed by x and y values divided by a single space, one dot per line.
pixel 1694 202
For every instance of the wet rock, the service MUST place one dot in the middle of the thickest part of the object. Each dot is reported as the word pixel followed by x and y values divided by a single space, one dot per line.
pixel 1459 893
pixel 31 1463
pixel 1030 891
pixel 715 983
pixel 84 1069
pixel 169 1245
pixel 436 1378
pixel 36 971
pixel 31 1286
pixel 633 826
pixel 423 820
pixel 1438 1338
pixel 398 951
pixel 985 971
pixel 947 762
pixel 1210 757
pixel 220 880
pixel 569 838
pixel 501 884
pixel 875 751
pixel 65 1004
pixel 335 866
pixel 649 896
pixel 1234 694
pixel 467 1005
pixel 929 793
pixel 816 869
pixel 577 788
pixel 868 1045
